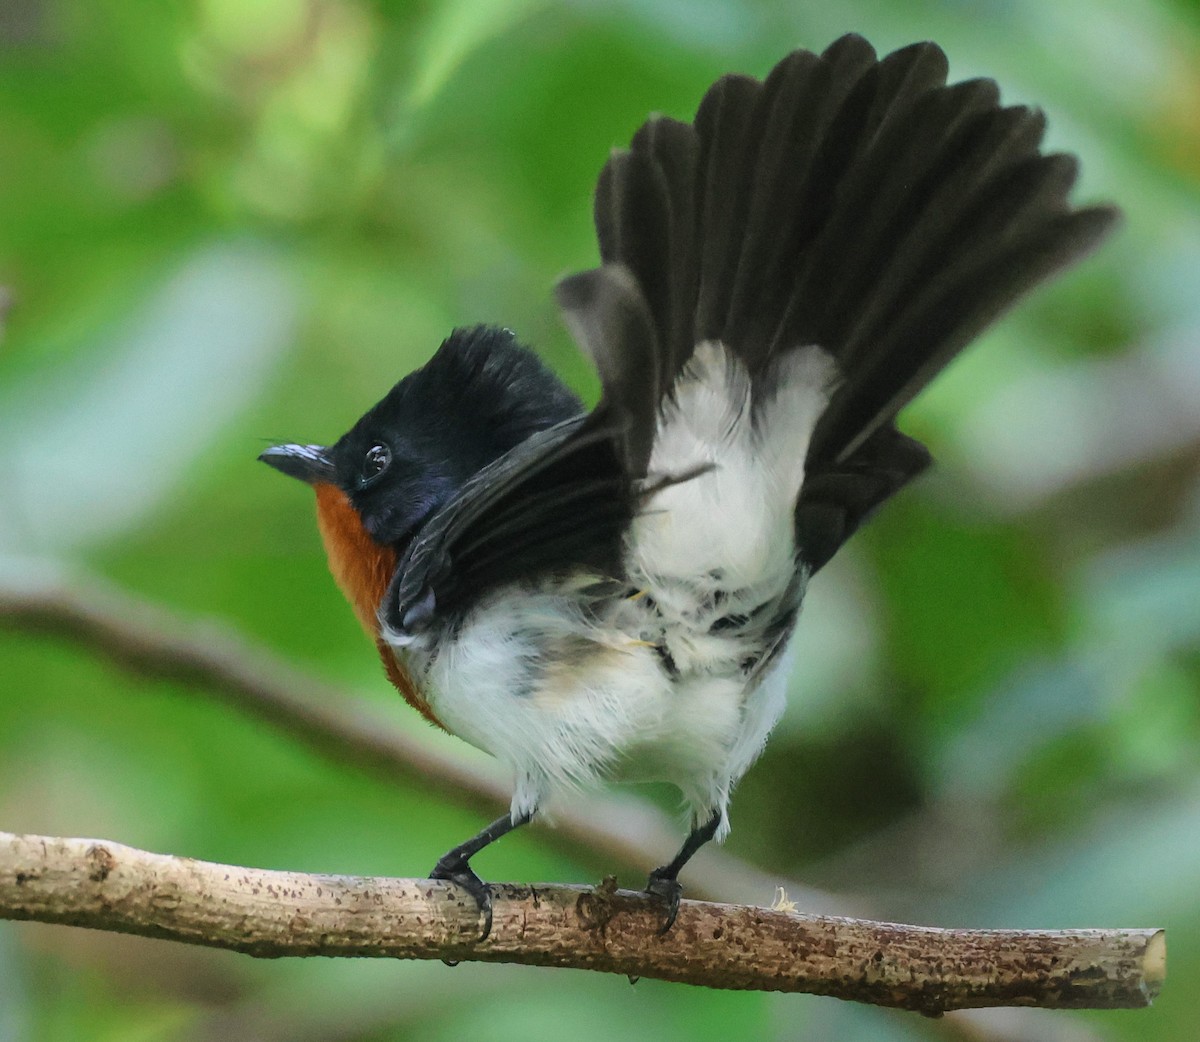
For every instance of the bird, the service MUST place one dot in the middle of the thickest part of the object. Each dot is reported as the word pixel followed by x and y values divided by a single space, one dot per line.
pixel 609 595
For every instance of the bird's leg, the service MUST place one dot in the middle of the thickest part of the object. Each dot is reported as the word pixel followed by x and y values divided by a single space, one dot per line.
pixel 664 882
pixel 454 866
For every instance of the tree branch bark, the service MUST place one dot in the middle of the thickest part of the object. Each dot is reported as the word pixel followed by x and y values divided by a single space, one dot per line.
pixel 267 914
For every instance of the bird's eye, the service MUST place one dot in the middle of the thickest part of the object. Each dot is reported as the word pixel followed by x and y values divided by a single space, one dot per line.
pixel 376 461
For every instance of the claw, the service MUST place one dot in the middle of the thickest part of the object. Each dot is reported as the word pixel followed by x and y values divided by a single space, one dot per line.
pixel 454 866
pixel 459 871
pixel 669 891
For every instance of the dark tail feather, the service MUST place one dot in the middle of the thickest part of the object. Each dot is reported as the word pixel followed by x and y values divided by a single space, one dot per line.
pixel 838 497
pixel 645 212
pixel 854 203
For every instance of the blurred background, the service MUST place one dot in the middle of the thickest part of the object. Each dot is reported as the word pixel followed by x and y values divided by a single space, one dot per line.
pixel 225 223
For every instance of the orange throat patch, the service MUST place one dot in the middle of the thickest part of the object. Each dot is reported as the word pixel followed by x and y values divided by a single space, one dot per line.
pixel 362 569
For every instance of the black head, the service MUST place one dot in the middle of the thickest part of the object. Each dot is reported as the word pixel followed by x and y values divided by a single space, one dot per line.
pixel 480 395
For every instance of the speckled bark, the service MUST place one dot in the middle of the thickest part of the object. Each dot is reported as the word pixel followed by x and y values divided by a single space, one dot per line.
pixel 102 885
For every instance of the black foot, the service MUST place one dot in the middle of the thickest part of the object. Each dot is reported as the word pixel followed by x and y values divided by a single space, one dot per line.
pixel 454 866
pixel 458 870
pixel 669 891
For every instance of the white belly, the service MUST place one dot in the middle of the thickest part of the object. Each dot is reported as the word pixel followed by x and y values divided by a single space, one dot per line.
pixel 567 692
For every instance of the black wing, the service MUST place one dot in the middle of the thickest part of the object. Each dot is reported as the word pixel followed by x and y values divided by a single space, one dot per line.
pixel 561 497
pixel 852 203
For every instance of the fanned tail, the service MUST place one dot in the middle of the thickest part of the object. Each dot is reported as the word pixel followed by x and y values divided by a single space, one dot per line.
pixel 855 204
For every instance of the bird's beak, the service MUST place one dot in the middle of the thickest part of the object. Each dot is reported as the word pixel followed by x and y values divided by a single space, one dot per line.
pixel 309 463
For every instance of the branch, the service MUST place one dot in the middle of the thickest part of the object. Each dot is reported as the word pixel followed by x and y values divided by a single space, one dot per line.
pixel 151 641
pixel 216 662
pixel 107 886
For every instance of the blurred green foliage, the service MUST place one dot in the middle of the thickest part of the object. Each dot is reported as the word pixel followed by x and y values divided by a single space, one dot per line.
pixel 224 223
